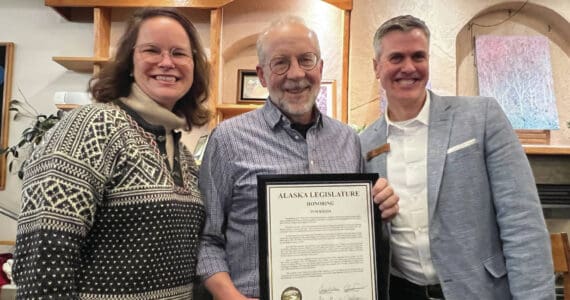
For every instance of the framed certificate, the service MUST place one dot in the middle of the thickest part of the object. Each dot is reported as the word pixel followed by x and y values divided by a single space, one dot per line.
pixel 318 236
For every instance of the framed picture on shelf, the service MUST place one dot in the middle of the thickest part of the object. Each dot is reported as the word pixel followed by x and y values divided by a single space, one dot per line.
pixel 250 89
pixel 326 99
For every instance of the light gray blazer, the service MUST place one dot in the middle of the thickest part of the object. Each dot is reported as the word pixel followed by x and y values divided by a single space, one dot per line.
pixel 488 238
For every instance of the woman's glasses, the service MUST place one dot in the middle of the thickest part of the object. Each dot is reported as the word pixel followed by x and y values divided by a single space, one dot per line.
pixel 154 54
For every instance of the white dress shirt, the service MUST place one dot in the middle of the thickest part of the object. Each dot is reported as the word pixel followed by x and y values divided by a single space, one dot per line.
pixel 407 174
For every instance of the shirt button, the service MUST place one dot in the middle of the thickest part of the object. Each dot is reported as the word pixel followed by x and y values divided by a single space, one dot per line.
pixel 312 162
pixel 161 138
pixel 296 137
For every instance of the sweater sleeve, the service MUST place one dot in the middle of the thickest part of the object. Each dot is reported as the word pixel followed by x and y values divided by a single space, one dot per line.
pixel 63 182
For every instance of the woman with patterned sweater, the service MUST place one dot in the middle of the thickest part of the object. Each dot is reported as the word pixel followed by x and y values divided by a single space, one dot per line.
pixel 111 207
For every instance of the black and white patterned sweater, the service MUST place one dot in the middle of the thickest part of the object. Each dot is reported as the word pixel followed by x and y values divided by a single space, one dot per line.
pixel 104 216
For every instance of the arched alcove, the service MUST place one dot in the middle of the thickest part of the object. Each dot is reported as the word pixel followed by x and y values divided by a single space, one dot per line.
pixel 241 54
pixel 243 21
pixel 510 19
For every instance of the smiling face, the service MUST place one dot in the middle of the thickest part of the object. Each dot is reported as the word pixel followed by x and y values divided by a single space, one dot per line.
pixel 164 81
pixel 295 91
pixel 403 70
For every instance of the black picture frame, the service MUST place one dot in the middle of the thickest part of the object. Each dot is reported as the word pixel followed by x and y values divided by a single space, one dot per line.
pixel 250 89
pixel 268 286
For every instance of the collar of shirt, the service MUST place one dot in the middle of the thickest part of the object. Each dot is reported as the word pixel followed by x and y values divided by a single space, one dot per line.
pixel 422 117
pixel 274 116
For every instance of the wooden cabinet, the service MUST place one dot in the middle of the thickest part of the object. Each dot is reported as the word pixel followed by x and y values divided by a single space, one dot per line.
pixel 101 10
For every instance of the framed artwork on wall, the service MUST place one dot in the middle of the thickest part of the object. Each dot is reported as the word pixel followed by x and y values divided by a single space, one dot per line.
pixel 250 89
pixel 517 71
pixel 6 61
pixel 326 99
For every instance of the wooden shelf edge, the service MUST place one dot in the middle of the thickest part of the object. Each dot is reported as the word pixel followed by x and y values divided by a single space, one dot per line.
pixel 205 4
pixel 80 64
pixel 67 107
pixel 546 150
pixel 345 5
pixel 65 12
pixel 226 111
pixel 237 108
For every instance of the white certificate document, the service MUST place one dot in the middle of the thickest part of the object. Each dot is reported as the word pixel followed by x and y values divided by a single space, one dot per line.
pixel 318 241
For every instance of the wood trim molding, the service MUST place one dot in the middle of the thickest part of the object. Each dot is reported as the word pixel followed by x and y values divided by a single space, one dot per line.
pixel 546 150
pixel 5 116
pixel 345 65
pixel 216 16
pixel 139 3
pixel 101 31
pixel 101 34
pixel 345 5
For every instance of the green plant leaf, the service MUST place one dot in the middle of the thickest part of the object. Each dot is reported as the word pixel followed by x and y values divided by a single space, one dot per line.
pixel 30 136
pixel 21 143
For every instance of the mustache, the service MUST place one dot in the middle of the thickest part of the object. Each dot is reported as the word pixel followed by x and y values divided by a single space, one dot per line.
pixel 293 85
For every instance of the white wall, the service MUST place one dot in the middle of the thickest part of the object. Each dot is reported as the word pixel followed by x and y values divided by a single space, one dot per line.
pixel 8 229
pixel 39 33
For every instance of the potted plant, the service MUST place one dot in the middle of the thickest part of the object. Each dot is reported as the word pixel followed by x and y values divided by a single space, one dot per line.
pixel 32 135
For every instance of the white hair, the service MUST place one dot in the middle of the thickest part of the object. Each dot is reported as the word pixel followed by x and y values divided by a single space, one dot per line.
pixel 288 20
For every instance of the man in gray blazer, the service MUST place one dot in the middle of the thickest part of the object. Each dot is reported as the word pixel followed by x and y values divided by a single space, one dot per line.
pixel 470 224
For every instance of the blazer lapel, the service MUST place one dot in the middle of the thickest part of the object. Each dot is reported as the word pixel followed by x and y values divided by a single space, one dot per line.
pixel 380 162
pixel 440 121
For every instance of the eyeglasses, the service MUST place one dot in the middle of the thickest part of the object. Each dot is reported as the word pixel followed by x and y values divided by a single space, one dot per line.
pixel 280 65
pixel 154 54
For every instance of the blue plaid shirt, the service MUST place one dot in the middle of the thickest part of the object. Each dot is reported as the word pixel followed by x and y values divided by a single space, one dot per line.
pixel 239 149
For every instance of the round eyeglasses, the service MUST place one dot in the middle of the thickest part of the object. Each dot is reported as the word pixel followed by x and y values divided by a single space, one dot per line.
pixel 280 65
pixel 154 54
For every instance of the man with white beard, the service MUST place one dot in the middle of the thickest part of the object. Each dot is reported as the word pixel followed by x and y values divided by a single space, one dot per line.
pixel 288 135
